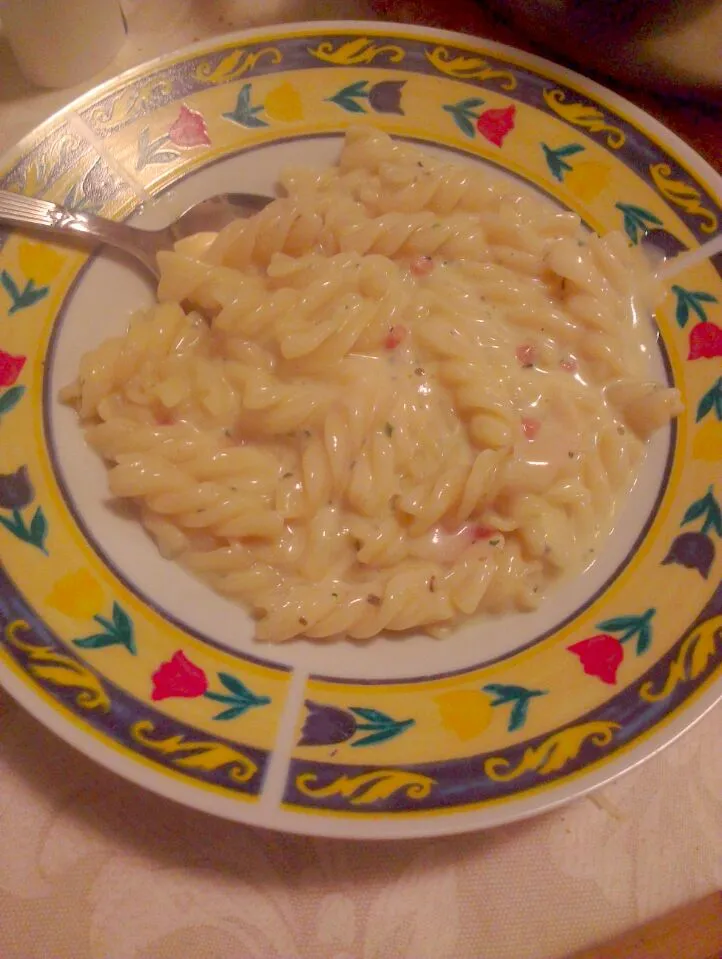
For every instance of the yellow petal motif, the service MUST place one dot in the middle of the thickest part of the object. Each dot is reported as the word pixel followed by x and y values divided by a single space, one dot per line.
pixel 465 712
pixel 40 262
pixel 690 662
pixel 235 65
pixel 707 442
pixel 588 179
pixel 468 68
pixel 580 115
pixel 78 595
pixel 284 103
pixel 368 787
pixel 353 52
pixel 59 669
pixel 201 754
pixel 554 753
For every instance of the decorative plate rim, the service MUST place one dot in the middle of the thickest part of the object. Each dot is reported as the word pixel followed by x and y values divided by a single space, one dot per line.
pixel 270 810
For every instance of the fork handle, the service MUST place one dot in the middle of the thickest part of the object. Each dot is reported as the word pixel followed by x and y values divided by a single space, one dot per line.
pixel 28 213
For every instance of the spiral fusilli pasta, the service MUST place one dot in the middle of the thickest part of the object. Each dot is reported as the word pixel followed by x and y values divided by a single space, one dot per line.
pixel 397 397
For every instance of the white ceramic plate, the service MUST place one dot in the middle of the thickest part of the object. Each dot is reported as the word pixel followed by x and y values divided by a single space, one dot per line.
pixel 126 656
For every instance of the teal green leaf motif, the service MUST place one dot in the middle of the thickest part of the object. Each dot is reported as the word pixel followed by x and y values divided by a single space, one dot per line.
pixel 465 114
pixel 35 534
pixel 691 301
pixel 9 285
pixel 518 697
pixel 117 631
pixel 381 735
pixel 10 399
pixel 38 527
pixel 377 725
pixel 636 220
pixel 632 627
pixel 712 400
pixel 347 96
pixel 238 700
pixel 244 113
pixel 149 151
pixel 381 97
pixel 708 509
pixel 21 299
pixel 556 161
pixel 371 715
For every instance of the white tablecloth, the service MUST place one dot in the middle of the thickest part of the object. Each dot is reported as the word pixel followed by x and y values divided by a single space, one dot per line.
pixel 93 868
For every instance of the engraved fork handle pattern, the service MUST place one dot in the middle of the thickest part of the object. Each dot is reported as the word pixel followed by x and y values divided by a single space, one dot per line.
pixel 29 213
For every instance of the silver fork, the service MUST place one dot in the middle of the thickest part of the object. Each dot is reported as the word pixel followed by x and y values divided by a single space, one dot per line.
pixel 213 214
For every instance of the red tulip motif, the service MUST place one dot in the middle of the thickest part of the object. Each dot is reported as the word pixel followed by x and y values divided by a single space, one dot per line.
pixel 178 677
pixel 10 368
pixel 189 129
pixel 495 125
pixel 705 342
pixel 600 656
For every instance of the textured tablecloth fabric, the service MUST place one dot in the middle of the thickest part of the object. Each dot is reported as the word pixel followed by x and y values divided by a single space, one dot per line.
pixel 91 867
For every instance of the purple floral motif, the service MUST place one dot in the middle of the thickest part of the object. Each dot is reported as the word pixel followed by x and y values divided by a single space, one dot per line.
pixel 664 242
pixel 696 550
pixel 382 97
pixel 16 493
pixel 385 97
pixel 693 551
pixel 328 725
pixel 16 490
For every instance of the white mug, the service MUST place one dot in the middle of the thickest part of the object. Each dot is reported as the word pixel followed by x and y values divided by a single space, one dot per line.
pixel 58 43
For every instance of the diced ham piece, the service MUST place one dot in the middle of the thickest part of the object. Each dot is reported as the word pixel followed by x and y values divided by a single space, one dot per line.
pixel 395 336
pixel 422 266
pixel 526 355
pixel 530 427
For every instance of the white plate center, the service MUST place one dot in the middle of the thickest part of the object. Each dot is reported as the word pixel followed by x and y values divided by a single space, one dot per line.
pixel 107 294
